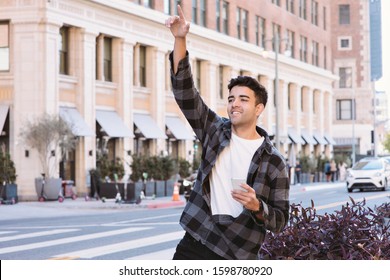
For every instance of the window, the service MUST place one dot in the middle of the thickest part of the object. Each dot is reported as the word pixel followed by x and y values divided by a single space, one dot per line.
pixel 203 12
pixel 238 22
pixel 148 3
pixel 314 58
pixel 344 43
pixel 290 43
pixel 63 52
pixel 218 14
pixel 167 7
pixel 302 99
pixel 345 109
pixel 324 17
pixel 198 75
pixel 302 9
pixel 245 24
pixel 345 74
pixel 290 6
pixel 195 11
pixel 107 59
pixel 303 49
pixel 221 82
pixel 277 2
pixel 4 46
pixel 325 58
pixel 142 66
pixel 344 14
pixel 314 12
pixel 225 17
pixel 260 31
pixel 276 32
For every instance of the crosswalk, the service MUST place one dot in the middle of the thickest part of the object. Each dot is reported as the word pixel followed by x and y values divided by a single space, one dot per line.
pixel 74 243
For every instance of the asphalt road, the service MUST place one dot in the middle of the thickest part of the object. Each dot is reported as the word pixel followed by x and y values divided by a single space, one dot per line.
pixel 108 231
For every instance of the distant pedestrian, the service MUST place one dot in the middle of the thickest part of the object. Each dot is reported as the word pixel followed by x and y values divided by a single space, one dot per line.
pixel 333 170
pixel 343 171
pixel 327 171
pixel 298 168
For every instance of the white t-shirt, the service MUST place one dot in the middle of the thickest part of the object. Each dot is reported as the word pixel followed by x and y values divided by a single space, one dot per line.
pixel 233 162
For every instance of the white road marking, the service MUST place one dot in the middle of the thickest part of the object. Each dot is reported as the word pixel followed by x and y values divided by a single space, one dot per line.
pixel 36 234
pixel 123 246
pixel 39 245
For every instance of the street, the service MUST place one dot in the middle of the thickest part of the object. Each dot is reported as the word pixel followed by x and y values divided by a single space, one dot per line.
pixel 126 233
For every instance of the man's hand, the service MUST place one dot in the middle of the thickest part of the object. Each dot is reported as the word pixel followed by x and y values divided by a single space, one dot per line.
pixel 178 24
pixel 179 28
pixel 247 197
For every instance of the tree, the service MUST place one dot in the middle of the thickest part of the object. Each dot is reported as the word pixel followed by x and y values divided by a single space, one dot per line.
pixel 51 137
pixel 386 143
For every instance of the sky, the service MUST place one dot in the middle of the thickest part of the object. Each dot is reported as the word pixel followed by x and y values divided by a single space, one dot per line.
pixel 384 83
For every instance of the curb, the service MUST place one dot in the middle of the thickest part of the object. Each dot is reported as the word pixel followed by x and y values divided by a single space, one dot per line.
pixel 322 187
pixel 165 204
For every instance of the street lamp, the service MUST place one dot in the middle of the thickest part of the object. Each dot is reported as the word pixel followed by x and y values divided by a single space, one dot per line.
pixel 276 41
pixel 276 88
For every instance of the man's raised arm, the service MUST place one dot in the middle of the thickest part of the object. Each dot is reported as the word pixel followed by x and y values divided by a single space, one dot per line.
pixel 179 28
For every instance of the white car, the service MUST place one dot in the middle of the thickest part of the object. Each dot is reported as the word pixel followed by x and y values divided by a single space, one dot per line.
pixel 372 174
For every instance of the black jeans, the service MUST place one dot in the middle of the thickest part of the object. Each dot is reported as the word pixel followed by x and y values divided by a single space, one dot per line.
pixel 191 249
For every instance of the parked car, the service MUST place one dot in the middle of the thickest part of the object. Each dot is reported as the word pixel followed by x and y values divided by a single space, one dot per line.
pixel 371 174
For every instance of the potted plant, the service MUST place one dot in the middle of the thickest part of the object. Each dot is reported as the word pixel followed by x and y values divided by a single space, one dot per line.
pixel 52 138
pixel 110 172
pixel 8 188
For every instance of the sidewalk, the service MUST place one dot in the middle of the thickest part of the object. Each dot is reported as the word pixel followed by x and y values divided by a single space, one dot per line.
pixel 318 186
pixel 69 207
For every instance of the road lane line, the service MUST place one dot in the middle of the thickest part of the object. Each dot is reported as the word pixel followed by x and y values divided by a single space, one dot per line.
pixel 7 232
pixel 39 245
pixel 335 204
pixel 36 234
pixel 123 246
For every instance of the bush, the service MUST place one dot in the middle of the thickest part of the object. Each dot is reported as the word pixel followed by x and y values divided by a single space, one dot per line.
pixel 7 168
pixel 184 168
pixel 353 233
pixel 108 168
pixel 157 168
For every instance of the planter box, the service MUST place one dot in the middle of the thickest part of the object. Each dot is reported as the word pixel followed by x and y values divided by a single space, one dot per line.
pixel 160 188
pixel 169 185
pixel 133 191
pixel 150 188
pixel 109 190
pixel 9 192
pixel 52 189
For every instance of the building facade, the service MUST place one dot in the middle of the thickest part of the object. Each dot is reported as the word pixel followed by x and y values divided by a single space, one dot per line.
pixel 103 67
pixel 354 111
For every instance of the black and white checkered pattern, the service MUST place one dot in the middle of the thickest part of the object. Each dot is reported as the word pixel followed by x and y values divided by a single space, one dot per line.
pixel 240 237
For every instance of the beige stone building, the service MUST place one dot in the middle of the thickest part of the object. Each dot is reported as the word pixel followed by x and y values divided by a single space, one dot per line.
pixel 103 66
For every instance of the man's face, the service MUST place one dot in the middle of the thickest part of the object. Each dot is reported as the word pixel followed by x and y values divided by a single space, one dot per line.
pixel 242 109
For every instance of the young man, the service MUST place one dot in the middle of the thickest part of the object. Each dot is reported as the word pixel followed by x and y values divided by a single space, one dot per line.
pixel 225 219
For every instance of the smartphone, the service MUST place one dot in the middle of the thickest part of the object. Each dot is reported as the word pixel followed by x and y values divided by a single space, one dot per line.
pixel 236 184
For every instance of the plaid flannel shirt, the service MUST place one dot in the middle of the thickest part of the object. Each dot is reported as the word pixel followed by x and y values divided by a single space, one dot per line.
pixel 240 237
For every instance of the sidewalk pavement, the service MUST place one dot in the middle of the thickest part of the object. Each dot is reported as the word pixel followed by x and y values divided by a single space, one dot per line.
pixel 69 207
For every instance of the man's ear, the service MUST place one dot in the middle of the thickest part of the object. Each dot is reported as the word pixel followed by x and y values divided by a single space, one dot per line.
pixel 259 109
